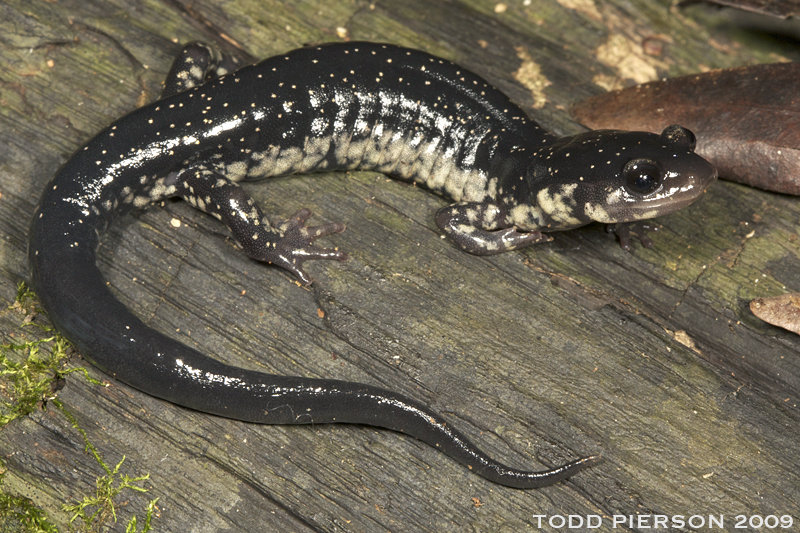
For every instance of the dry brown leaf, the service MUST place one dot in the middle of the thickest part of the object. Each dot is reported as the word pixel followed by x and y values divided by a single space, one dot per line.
pixel 782 311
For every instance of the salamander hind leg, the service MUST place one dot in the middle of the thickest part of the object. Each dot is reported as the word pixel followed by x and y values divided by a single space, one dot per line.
pixel 194 64
pixel 478 228
pixel 286 244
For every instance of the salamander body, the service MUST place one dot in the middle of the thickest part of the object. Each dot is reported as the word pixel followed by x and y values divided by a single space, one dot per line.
pixel 343 106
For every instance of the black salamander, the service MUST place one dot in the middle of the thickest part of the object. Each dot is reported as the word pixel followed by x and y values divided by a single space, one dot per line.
pixel 341 106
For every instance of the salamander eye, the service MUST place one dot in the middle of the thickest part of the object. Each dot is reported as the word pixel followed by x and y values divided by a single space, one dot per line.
pixel 642 176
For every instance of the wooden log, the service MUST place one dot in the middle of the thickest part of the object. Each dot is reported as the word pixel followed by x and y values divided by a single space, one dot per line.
pixel 650 358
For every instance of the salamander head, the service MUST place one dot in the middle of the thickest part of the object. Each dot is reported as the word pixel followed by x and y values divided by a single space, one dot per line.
pixel 618 176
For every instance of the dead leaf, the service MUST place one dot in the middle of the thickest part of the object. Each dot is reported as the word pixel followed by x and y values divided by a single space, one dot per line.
pixel 782 311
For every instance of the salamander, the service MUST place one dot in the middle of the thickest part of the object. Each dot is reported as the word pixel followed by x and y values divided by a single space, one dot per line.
pixel 354 105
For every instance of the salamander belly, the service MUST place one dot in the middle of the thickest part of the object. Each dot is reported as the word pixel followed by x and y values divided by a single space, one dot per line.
pixel 382 132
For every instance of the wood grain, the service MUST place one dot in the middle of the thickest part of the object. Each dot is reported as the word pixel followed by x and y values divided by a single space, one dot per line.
pixel 650 358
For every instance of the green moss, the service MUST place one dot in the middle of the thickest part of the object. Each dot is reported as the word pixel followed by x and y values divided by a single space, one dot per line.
pixel 29 376
pixel 95 510
pixel 19 514
pixel 30 379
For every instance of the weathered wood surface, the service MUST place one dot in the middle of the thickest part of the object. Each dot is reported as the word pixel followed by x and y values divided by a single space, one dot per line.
pixel 570 348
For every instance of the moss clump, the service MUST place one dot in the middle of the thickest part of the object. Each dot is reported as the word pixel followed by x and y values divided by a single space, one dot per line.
pixel 29 379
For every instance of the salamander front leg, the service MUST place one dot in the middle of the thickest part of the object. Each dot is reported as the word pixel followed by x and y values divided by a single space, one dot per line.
pixel 286 244
pixel 624 231
pixel 478 228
